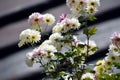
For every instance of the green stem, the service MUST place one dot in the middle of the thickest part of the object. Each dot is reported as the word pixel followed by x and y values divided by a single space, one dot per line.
pixel 87 45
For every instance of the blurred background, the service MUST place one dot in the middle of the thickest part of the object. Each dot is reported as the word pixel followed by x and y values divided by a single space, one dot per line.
pixel 13 19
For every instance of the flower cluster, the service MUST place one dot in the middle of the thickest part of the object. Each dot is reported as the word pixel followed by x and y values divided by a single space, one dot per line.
pixel 66 24
pixel 33 35
pixel 29 36
pixel 113 56
pixel 63 56
pixel 83 6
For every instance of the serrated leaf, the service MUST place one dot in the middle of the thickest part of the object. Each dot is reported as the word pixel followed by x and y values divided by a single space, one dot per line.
pixel 92 30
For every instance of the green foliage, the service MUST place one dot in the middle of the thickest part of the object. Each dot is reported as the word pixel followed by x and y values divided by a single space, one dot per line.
pixel 80 18
pixel 91 31
pixel 69 54
pixel 117 65
pixel 105 76
pixel 84 24
pixel 92 18
pixel 59 55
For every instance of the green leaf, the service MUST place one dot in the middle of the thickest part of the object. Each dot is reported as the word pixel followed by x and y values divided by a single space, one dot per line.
pixel 95 49
pixel 85 31
pixel 84 24
pixel 62 73
pixel 77 59
pixel 92 30
pixel 69 54
pixel 59 55
pixel 89 70
pixel 92 18
pixel 80 18
pixel 116 64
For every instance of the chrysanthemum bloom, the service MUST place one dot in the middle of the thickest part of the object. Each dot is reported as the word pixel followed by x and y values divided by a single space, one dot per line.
pixel 116 39
pixel 71 3
pixel 39 52
pixel 35 20
pixel 88 76
pixel 48 42
pixel 49 49
pixel 30 59
pixel 94 3
pixel 68 24
pixel 62 17
pixel 55 37
pixel 75 23
pixel 113 48
pixel 75 10
pixel 58 28
pixel 91 10
pixel 48 19
pixel 108 62
pixel 100 62
pixel 113 57
pixel 99 69
pixel 81 3
pixel 29 36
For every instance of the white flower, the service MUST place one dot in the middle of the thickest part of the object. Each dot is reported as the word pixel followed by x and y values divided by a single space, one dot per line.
pixel 108 62
pixel 48 48
pixel 94 3
pixel 75 10
pixel 35 36
pixel 55 37
pixel 88 75
pixel 29 59
pixel 75 23
pixel 66 77
pixel 49 42
pixel 58 28
pixel 71 3
pixel 100 62
pixel 99 69
pixel 48 19
pixel 82 3
pixel 113 57
pixel 113 48
pixel 29 36
pixel 91 10
pixel 67 25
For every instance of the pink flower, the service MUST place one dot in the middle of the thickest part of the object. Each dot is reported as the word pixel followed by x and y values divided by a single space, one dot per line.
pixel 62 17
pixel 116 39
pixel 39 52
pixel 35 19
